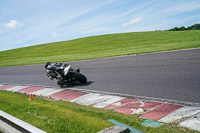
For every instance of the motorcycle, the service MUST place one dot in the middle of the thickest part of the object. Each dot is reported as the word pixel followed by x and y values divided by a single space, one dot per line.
pixel 64 74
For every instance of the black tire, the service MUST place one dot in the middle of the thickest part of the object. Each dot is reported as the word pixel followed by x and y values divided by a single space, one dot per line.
pixel 79 77
pixel 60 83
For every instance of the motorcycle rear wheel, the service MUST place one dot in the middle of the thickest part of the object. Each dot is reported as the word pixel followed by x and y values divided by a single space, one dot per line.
pixel 79 77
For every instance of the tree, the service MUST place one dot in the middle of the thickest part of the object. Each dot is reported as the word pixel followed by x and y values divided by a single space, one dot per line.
pixel 182 28
pixel 192 27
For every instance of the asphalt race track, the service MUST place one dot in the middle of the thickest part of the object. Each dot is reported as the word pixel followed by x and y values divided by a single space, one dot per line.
pixel 169 75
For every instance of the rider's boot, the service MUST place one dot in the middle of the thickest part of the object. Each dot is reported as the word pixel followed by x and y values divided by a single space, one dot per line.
pixel 77 70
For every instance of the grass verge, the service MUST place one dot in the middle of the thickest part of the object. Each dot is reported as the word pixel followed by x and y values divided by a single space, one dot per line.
pixel 102 46
pixel 61 117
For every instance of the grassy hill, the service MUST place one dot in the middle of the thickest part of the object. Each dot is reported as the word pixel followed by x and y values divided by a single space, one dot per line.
pixel 101 46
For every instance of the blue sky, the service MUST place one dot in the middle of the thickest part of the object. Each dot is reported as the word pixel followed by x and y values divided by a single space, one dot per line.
pixel 31 22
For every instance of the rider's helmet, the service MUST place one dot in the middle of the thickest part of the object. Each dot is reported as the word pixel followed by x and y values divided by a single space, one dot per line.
pixel 47 64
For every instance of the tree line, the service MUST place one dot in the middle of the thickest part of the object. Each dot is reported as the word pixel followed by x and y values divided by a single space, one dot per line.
pixel 192 27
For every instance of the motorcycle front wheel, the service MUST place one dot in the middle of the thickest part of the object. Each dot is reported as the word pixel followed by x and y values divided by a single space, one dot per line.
pixel 60 83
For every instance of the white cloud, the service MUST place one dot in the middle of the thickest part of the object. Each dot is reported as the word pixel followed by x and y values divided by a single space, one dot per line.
pixel 13 24
pixel 132 21
pixel 53 34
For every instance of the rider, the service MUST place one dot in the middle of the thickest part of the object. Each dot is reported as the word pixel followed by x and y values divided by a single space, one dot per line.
pixel 59 66
pixel 47 64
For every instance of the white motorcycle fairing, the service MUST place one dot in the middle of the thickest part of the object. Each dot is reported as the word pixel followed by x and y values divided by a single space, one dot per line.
pixel 66 70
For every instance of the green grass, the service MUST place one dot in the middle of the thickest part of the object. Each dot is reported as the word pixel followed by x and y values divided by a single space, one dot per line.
pixel 61 117
pixel 102 46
